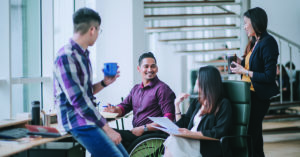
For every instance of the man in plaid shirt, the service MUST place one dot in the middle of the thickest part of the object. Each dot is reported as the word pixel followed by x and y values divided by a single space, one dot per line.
pixel 74 91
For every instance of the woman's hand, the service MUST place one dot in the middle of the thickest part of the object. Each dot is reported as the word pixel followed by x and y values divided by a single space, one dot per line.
pixel 238 69
pixel 180 99
pixel 184 131
pixel 187 131
pixel 238 60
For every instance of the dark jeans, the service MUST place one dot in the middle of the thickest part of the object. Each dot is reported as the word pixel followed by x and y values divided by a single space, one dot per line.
pixel 259 108
pixel 97 142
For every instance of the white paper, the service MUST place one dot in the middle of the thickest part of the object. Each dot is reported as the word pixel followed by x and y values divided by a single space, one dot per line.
pixel 167 125
pixel 169 131
pixel 109 114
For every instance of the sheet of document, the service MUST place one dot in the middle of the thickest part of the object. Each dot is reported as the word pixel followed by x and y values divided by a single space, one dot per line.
pixel 164 122
pixel 109 115
pixel 169 127
pixel 169 131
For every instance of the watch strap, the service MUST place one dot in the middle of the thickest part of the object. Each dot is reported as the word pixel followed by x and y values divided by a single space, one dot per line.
pixel 145 128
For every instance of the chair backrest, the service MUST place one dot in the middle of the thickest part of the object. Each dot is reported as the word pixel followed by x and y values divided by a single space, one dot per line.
pixel 238 93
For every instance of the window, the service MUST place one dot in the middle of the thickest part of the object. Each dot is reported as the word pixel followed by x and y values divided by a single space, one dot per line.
pixel 25 38
pixel 32 32
pixel 24 58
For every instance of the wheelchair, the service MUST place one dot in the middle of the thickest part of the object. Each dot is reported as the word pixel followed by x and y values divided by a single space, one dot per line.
pixel 149 145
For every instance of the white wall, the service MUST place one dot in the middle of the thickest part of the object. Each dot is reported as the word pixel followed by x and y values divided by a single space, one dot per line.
pixel 48 53
pixel 121 41
pixel 283 19
pixel 170 67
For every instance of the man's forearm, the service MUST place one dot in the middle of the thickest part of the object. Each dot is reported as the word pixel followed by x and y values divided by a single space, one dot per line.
pixel 97 87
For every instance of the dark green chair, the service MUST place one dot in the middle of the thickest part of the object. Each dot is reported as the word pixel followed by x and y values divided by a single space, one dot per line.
pixel 238 92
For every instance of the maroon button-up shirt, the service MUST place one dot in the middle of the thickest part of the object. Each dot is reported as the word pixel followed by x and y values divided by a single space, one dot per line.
pixel 154 100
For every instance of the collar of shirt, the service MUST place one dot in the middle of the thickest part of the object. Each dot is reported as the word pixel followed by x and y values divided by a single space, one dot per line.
pixel 151 84
pixel 79 48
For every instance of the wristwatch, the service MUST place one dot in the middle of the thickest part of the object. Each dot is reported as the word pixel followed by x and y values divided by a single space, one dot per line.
pixel 247 73
pixel 103 84
pixel 145 128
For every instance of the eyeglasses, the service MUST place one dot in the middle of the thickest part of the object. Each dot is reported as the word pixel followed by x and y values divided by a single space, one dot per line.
pixel 99 28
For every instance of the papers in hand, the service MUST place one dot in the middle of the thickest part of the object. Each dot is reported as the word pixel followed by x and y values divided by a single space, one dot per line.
pixel 109 114
pixel 169 127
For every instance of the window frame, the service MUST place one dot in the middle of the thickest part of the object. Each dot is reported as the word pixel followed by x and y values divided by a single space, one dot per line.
pixel 47 52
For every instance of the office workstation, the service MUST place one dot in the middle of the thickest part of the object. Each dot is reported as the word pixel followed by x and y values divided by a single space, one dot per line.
pixel 79 58
pixel 17 143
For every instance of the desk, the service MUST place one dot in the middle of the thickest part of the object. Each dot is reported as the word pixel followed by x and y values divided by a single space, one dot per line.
pixel 8 148
pixel 11 148
pixel 13 123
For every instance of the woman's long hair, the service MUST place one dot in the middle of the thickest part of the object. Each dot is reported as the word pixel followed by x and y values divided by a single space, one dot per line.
pixel 210 89
pixel 259 22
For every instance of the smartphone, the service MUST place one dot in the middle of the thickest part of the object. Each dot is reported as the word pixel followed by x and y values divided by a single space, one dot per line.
pixel 232 65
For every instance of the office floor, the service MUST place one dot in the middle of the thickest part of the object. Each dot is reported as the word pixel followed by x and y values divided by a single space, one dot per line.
pixel 282 145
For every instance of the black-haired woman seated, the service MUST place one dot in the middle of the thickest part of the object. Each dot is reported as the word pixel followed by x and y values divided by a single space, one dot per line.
pixel 209 116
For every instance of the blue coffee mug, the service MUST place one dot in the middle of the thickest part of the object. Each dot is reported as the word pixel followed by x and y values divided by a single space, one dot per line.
pixel 110 69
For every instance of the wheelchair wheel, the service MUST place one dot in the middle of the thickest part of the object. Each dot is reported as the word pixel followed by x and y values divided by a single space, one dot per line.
pixel 150 145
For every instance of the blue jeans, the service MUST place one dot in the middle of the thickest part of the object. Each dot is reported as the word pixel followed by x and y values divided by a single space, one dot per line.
pixel 97 142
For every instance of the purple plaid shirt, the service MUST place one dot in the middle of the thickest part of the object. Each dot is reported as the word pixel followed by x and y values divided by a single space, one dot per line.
pixel 73 89
pixel 153 100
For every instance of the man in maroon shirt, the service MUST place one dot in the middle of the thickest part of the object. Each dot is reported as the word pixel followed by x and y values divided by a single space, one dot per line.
pixel 151 98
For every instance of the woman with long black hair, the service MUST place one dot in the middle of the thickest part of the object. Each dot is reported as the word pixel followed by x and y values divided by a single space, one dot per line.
pixel 258 67
pixel 209 115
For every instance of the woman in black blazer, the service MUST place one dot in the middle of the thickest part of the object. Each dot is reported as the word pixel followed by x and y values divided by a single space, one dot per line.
pixel 258 67
pixel 211 117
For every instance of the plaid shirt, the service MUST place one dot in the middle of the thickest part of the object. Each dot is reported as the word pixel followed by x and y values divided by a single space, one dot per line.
pixel 73 89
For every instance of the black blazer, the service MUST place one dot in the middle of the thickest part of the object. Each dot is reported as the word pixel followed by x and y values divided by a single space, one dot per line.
pixel 263 62
pixel 215 126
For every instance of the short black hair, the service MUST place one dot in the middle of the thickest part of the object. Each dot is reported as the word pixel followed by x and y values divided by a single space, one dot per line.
pixel 83 18
pixel 146 55
pixel 288 65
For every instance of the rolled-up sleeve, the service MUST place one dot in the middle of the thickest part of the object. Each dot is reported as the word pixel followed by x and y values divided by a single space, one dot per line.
pixel 166 99
pixel 126 105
